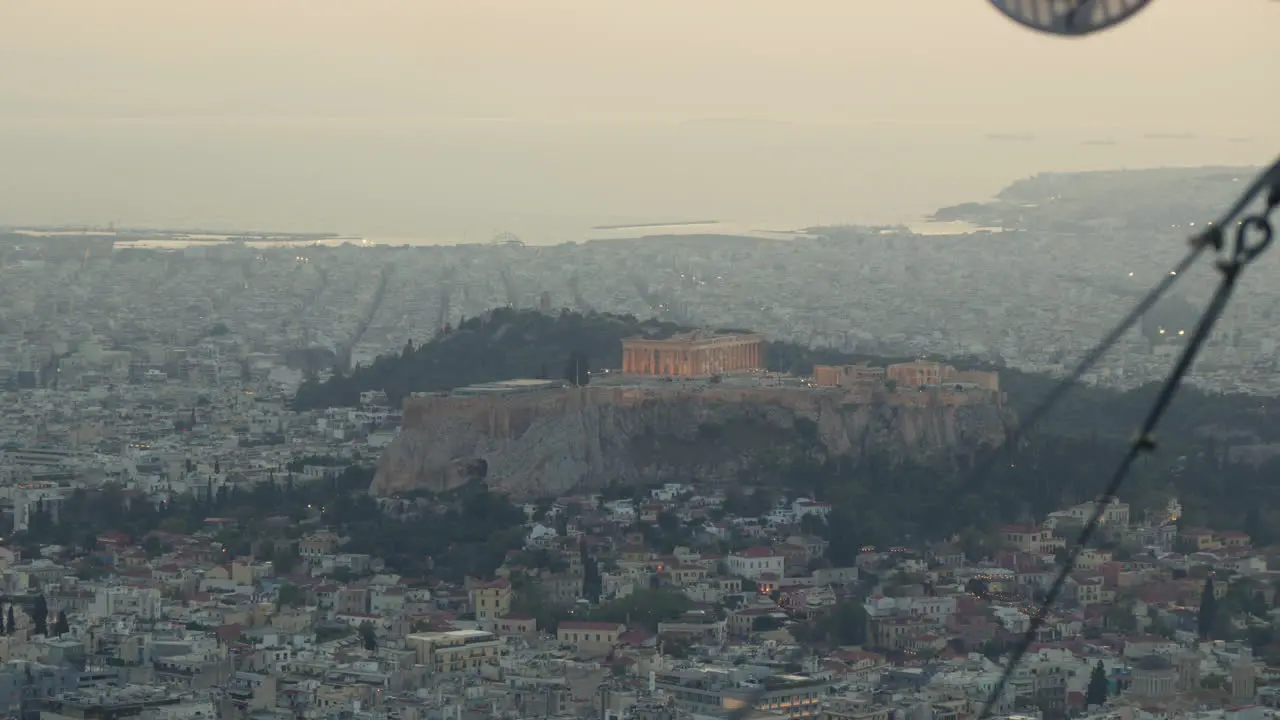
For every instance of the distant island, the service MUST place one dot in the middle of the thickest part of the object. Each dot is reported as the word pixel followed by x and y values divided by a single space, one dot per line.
pixel 1056 202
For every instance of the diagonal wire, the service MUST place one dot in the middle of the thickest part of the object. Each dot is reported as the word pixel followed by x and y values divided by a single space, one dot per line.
pixel 1243 253
pixel 1064 386
pixel 1142 444
pixel 1054 396
pixel 1213 238
pixel 1050 401
pixel 1199 244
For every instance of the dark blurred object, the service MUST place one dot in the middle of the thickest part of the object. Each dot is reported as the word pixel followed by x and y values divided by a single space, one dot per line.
pixel 1069 17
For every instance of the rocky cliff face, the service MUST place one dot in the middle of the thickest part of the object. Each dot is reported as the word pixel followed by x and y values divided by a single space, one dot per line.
pixel 550 442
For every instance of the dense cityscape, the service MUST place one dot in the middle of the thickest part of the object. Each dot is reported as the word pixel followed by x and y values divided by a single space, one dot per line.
pixel 275 478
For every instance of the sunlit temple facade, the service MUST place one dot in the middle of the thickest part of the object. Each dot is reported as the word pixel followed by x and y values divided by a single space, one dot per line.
pixel 696 354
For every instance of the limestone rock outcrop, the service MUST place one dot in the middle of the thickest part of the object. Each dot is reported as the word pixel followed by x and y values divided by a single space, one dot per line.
pixel 554 441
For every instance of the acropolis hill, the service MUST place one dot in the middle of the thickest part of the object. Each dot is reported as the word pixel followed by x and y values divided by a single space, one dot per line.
pixel 628 428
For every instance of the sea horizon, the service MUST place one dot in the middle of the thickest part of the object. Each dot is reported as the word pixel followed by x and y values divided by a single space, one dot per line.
pixel 451 183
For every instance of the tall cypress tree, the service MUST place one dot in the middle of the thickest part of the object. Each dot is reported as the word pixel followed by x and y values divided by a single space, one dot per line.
pixel 368 637
pixel 1097 692
pixel 40 615
pixel 60 625
pixel 1208 610
pixel 1258 605
pixel 10 626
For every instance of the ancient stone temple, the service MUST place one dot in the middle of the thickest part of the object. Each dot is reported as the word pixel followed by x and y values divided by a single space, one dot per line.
pixel 696 354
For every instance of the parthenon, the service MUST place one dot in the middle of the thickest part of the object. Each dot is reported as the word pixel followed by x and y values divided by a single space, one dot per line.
pixel 693 354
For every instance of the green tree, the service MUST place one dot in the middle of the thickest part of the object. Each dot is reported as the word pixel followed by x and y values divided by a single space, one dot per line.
pixel 1258 605
pixel 152 546
pixel 592 580
pixel 846 624
pixel 368 637
pixel 850 626
pixel 290 595
pixel 176 525
pixel 677 648
pixel 530 600
pixel 1208 610
pixel 577 370
pixel 842 536
pixel 812 524
pixel 60 626
pixel 1120 617
pixel 285 560
pixel 266 550
pixel 645 608
pixel 40 615
pixel 1097 692
pixel 669 523
pixel 765 623
pixel 1260 637
pixel 10 626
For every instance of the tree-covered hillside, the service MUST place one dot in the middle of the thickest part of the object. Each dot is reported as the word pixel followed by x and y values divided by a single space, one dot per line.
pixel 1065 461
pixel 502 345
pixel 510 343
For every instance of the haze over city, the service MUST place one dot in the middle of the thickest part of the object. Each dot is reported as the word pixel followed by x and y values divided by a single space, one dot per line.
pixel 454 120
pixel 667 360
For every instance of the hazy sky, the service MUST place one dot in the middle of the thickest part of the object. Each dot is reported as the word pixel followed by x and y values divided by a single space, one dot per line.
pixel 442 117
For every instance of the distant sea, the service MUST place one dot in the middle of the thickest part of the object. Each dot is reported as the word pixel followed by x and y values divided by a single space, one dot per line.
pixel 425 183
